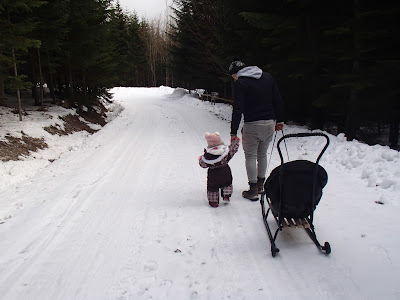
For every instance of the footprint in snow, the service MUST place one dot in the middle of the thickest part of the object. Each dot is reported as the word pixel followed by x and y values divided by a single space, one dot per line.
pixel 150 266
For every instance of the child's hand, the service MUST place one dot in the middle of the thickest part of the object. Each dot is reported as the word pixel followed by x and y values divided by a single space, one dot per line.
pixel 199 157
pixel 234 137
pixel 279 126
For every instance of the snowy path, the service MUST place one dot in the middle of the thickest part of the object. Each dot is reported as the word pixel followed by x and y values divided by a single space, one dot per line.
pixel 126 217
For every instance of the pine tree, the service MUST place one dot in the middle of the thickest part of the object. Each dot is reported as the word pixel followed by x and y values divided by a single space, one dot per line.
pixel 200 44
pixel 52 31
pixel 89 66
pixel 119 33
pixel 15 25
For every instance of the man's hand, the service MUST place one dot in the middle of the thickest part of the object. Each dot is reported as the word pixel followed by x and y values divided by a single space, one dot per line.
pixel 234 137
pixel 279 126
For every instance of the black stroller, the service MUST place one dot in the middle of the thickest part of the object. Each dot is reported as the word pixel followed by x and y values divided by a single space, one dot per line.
pixel 293 191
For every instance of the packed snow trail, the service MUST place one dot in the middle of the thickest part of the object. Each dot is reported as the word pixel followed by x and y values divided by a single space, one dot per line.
pixel 126 217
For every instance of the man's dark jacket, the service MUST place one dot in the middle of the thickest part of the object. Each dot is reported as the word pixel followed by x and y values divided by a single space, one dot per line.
pixel 256 96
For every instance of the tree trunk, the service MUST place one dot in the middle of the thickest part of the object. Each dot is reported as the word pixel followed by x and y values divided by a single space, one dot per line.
pixel 61 87
pixel 394 134
pixel 19 107
pixel 353 114
pixel 70 82
pixel 2 95
pixel 40 79
pixel 35 92
pixel 318 115
pixel 51 79
pixel 85 89
pixel 51 88
pixel 84 86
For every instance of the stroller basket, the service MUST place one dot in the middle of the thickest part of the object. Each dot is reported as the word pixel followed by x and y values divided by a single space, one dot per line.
pixel 293 191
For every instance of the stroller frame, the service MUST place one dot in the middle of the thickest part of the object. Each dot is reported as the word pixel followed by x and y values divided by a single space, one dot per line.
pixel 293 222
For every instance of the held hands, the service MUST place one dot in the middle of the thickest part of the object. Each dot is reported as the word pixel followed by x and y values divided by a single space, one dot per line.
pixel 279 126
pixel 234 137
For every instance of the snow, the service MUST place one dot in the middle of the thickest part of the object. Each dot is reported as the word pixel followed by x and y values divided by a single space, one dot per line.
pixel 123 213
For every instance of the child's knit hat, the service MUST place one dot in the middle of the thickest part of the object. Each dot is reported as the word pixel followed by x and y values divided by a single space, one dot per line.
pixel 213 139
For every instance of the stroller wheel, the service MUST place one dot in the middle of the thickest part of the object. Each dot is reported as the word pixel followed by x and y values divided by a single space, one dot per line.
pixel 327 248
pixel 274 251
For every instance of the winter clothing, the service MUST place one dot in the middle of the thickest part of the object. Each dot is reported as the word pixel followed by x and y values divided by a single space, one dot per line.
pixel 213 197
pixel 252 193
pixel 256 138
pixel 236 66
pixel 260 185
pixel 213 140
pixel 219 175
pixel 226 198
pixel 213 204
pixel 257 97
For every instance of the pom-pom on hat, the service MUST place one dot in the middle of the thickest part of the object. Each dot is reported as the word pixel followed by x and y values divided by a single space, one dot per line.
pixel 213 139
pixel 236 66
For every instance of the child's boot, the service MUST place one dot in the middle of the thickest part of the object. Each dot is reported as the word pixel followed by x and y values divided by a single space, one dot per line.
pixel 226 193
pixel 226 198
pixel 213 204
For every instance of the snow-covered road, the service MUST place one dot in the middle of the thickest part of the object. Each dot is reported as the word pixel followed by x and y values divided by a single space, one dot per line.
pixel 126 217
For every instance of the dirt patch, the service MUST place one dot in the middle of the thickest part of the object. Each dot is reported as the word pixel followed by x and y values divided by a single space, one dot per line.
pixel 72 124
pixel 15 147
pixel 95 115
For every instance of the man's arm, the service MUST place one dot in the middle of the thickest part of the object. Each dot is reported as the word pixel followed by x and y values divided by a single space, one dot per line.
pixel 237 108
pixel 277 102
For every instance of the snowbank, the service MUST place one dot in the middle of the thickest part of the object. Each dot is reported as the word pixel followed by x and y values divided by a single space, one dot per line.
pixel 33 124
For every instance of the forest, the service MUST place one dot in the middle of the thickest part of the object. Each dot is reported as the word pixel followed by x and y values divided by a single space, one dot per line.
pixel 78 49
pixel 336 62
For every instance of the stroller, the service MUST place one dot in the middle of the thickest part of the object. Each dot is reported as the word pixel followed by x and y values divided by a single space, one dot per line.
pixel 292 191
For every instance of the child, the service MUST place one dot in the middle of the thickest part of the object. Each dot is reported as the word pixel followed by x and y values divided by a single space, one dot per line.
pixel 216 157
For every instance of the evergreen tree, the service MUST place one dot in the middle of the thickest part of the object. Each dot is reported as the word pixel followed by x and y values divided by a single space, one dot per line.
pixel 15 25
pixel 200 43
pixel 329 57
pixel 365 48
pixel 137 52
pixel 52 31
pixel 89 65
pixel 121 49
pixel 332 60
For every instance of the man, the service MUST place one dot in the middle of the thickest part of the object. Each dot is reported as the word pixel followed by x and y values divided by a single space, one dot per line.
pixel 257 97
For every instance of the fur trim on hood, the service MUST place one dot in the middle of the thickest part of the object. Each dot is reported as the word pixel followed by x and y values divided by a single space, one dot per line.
pixel 217 150
pixel 222 151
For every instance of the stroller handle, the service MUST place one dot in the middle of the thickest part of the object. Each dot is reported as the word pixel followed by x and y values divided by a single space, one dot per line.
pixel 303 134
